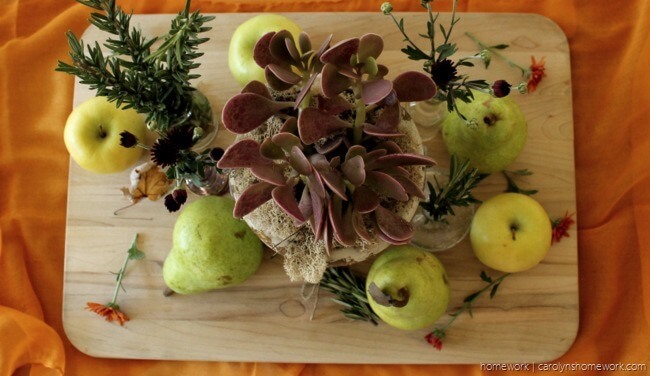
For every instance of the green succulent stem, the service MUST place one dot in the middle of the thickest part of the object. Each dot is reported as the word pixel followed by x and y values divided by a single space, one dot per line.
pixel 360 116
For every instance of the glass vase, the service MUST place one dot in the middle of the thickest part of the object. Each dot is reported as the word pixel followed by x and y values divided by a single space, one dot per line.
pixel 213 183
pixel 444 233
pixel 198 114
pixel 428 116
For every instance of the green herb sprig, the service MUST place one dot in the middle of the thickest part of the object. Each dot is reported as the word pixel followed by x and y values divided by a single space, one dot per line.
pixel 512 185
pixel 437 336
pixel 154 83
pixel 350 291
pixel 457 192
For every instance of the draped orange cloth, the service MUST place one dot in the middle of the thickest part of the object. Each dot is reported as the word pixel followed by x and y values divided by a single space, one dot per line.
pixel 610 51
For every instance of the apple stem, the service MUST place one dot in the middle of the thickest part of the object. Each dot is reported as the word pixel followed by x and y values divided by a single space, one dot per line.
pixel 513 230
pixel 102 132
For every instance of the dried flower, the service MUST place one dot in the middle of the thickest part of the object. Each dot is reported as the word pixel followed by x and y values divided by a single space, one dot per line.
pixel 111 311
pixel 501 88
pixel 561 227
pixel 435 338
pixel 537 72
pixel 128 139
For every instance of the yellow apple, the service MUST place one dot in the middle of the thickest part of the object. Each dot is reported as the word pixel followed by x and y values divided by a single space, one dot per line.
pixel 92 136
pixel 243 40
pixel 510 232
pixel 411 290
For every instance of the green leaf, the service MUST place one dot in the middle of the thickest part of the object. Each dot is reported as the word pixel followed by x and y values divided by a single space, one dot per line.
pixel 499 46
pixel 485 277
pixel 134 252
pixel 494 290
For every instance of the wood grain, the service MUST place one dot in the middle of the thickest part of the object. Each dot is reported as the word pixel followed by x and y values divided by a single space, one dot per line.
pixel 533 318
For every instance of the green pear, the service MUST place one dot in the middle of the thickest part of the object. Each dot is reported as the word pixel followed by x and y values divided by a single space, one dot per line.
pixel 407 287
pixel 210 248
pixel 496 140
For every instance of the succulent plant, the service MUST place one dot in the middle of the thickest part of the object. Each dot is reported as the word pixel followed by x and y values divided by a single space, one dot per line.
pixel 334 162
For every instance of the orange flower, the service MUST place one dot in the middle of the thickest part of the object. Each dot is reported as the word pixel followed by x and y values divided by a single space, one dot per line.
pixel 536 74
pixel 111 312
pixel 435 340
pixel 561 227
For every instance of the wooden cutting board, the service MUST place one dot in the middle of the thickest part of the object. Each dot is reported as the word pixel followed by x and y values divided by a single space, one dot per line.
pixel 533 318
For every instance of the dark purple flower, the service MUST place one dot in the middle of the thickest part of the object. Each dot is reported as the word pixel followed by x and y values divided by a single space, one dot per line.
pixel 180 196
pixel 443 72
pixel 171 204
pixel 181 136
pixel 164 153
pixel 128 139
pixel 501 88
pixel 216 154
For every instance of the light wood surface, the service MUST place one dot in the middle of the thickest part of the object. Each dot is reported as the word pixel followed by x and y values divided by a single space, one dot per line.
pixel 533 318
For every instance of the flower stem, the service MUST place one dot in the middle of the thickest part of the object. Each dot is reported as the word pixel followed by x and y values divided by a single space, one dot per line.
pixel 525 72
pixel 469 300
pixel 120 274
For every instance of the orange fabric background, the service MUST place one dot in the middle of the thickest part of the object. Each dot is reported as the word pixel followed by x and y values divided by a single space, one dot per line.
pixel 609 56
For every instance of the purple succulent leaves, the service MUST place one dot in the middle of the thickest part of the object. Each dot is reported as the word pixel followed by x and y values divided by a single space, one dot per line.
pixel 375 90
pixel 359 225
pixel 396 229
pixel 243 154
pixel 365 200
pixel 314 125
pixel 333 82
pixel 414 87
pixel 370 46
pixel 272 173
pixel 333 105
pixel 386 185
pixel 261 53
pixel 354 170
pixel 285 75
pixel 257 87
pixel 252 198
pixel 395 160
pixel 341 223
pixel 286 200
pixel 340 53
pixel 299 162
pixel 305 90
pixel 247 111
pixel 247 154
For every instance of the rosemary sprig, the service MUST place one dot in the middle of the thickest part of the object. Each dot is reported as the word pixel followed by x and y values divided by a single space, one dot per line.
pixel 154 83
pixel 457 192
pixel 350 292
pixel 512 185
pixel 437 336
